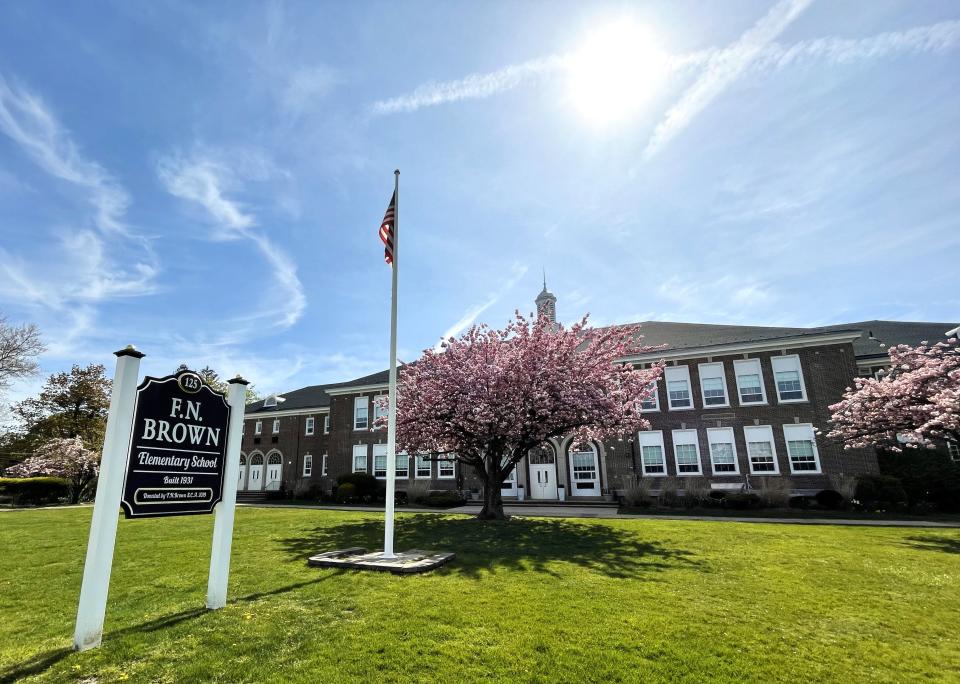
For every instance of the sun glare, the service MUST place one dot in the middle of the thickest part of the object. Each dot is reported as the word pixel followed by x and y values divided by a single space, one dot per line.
pixel 614 72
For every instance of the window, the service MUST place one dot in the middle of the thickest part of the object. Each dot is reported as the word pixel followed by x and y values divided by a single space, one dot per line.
pixel 686 451
pixel 749 381
pixel 360 413
pixel 445 468
pixel 509 483
pixel 713 385
pixel 307 465
pixel 953 449
pixel 652 403
pixel 761 451
pixel 381 409
pixel 380 460
pixel 403 465
pixel 308 425
pixel 258 427
pixel 651 453
pixel 326 424
pixel 789 378
pixel 422 465
pixel 323 466
pixel 583 468
pixel 678 387
pixel 359 458
pixel 723 451
pixel 276 425
pixel 801 448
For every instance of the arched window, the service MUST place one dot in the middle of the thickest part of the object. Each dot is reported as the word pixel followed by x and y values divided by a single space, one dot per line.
pixel 275 458
pixel 256 459
pixel 243 460
pixel 584 470
pixel 541 455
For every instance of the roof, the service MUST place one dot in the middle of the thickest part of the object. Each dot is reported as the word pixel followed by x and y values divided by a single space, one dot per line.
pixel 875 337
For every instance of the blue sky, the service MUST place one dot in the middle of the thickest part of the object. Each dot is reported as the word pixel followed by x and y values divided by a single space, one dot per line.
pixel 207 182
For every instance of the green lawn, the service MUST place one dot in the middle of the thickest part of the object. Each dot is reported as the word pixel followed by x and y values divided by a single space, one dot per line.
pixel 528 600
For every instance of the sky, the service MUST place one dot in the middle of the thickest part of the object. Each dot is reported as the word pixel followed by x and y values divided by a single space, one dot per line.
pixel 206 180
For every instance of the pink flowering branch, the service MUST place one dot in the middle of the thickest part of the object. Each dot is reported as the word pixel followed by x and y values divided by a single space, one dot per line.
pixel 65 458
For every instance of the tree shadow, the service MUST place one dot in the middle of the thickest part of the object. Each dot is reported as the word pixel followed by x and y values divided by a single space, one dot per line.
pixel 516 544
pixel 935 543
pixel 44 661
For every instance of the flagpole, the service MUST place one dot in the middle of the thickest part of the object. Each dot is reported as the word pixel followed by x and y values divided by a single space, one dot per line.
pixel 392 416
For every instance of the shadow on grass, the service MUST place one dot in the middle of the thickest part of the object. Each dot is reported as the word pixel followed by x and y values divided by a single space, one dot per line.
pixel 935 543
pixel 516 544
pixel 44 661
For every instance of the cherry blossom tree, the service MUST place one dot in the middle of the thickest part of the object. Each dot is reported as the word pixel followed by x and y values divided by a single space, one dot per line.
pixel 488 397
pixel 66 458
pixel 914 404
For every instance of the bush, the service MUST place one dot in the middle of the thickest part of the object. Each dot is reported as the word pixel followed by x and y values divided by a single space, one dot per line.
pixel 637 494
pixel 775 491
pixel 802 502
pixel 695 491
pixel 928 477
pixel 880 493
pixel 446 499
pixel 845 484
pixel 668 492
pixel 366 486
pixel 830 499
pixel 32 491
pixel 346 493
pixel 417 492
pixel 742 501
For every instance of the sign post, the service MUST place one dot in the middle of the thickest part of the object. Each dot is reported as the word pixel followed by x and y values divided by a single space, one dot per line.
pixel 223 524
pixel 103 528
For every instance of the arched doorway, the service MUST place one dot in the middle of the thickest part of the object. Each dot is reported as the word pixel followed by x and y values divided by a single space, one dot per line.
pixel 543 473
pixel 255 476
pixel 242 477
pixel 274 471
pixel 584 469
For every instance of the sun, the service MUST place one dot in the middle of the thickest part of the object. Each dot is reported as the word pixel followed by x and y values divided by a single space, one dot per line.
pixel 614 72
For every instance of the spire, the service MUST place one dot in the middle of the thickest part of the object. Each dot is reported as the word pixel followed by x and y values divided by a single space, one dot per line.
pixel 546 301
pixel 544 278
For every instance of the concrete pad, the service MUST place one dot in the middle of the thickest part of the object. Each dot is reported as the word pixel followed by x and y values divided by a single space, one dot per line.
pixel 405 563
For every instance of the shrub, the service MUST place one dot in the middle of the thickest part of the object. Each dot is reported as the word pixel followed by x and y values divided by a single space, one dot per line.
pixel 444 499
pixel 845 484
pixel 367 486
pixel 802 502
pixel 637 494
pixel 829 499
pixel 32 491
pixel 880 493
pixel 668 492
pixel 928 476
pixel 417 492
pixel 775 491
pixel 346 492
pixel 742 501
pixel 695 491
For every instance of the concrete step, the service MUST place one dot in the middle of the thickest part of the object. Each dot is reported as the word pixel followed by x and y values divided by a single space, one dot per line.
pixel 251 497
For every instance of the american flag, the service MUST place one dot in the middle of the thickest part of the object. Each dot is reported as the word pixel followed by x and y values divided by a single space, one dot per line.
pixel 386 229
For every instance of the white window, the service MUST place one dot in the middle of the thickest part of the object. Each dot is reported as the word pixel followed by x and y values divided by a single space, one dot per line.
pixel 359 458
pixel 678 387
pixel 323 466
pixel 802 448
pixel 276 425
pixel 403 465
pixel 307 465
pixel 326 424
pixel 686 452
pixel 761 451
pixel 258 427
pixel 652 402
pixel 723 451
pixel 360 413
pixel 309 425
pixel 713 385
pixel 953 448
pixel 749 381
pixel 789 378
pixel 381 409
pixel 446 468
pixel 380 460
pixel 243 428
pixel 422 466
pixel 651 452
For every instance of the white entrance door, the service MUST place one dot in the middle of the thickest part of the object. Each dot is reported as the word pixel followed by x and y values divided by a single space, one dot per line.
pixel 274 470
pixel 255 472
pixel 584 471
pixel 543 481
pixel 243 474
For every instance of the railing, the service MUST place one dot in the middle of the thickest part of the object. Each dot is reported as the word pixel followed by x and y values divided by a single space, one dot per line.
pixel 272 486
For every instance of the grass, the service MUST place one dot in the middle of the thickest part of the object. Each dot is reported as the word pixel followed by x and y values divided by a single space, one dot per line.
pixel 543 600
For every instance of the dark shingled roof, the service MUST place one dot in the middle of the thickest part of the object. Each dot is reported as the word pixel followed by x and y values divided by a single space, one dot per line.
pixel 684 336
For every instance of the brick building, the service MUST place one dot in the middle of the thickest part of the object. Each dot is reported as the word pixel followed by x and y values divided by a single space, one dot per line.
pixel 736 403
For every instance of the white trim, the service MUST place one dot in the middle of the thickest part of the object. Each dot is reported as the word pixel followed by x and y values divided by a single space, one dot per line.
pixel 813 441
pixel 686 437
pixel 776 344
pixel 654 438
pixel 767 431
pixel 308 465
pixel 326 424
pixel 422 458
pixel 253 415
pixel 356 389
pixel 656 398
pixel 258 428
pixel 799 371
pixel 447 459
pixel 759 373
pixel 727 431
pixel 366 459
pixel 723 380
pixel 309 426
pixel 275 428
pixel 323 466
pixel 383 448
pixel 397 460
pixel 356 405
pixel 594 490
pixel 678 371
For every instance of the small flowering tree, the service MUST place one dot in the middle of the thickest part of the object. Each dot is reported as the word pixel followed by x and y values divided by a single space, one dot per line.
pixel 917 402
pixel 490 396
pixel 66 458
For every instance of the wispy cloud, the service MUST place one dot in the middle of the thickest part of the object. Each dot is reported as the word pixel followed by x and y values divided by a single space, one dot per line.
pixel 471 314
pixel 722 70
pixel 205 180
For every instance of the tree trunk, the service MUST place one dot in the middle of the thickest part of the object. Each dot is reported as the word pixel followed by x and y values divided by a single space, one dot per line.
pixel 492 477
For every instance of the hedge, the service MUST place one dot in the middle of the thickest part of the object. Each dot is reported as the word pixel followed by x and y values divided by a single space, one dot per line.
pixel 26 491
